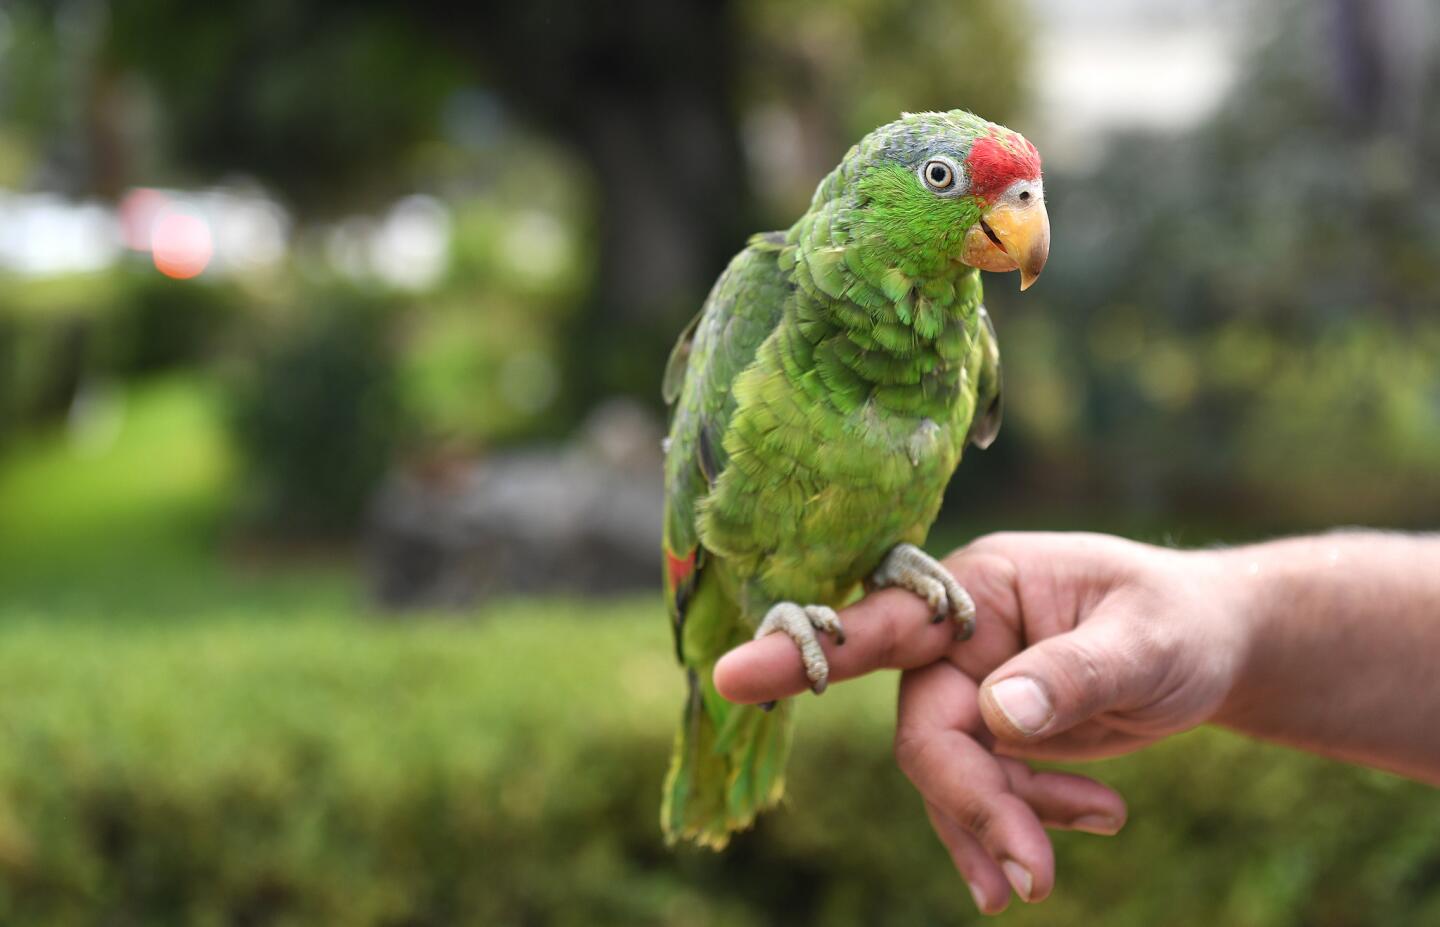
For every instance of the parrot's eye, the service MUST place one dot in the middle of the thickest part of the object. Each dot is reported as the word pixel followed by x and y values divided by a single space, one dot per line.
pixel 939 175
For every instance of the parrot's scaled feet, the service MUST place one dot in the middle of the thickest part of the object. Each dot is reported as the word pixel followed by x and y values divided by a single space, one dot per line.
pixel 799 623
pixel 909 567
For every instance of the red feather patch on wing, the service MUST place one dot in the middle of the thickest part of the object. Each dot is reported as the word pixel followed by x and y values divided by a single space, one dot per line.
pixel 680 576
pixel 679 569
pixel 997 161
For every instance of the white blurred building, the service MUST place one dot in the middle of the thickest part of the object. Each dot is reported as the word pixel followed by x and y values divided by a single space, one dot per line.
pixel 1108 65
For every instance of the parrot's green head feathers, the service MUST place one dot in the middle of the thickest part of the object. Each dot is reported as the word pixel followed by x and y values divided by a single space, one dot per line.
pixel 931 190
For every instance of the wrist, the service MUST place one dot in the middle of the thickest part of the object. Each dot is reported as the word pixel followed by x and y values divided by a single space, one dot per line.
pixel 1240 587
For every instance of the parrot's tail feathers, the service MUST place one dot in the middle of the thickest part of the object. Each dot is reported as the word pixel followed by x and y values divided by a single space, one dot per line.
pixel 723 773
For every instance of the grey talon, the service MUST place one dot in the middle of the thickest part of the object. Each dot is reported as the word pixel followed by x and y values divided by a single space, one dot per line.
pixel 801 623
pixel 909 567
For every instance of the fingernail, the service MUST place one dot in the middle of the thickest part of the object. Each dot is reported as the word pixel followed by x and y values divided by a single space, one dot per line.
pixel 979 895
pixel 1019 878
pixel 1023 703
pixel 1101 824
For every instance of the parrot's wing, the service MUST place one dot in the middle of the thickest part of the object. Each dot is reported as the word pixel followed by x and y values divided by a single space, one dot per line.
pixel 679 361
pixel 743 308
pixel 988 386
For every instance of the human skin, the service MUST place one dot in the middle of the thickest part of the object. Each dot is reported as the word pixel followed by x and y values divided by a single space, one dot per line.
pixel 1090 646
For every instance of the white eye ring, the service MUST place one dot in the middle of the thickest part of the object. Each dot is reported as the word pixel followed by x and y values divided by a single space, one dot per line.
pixel 940 175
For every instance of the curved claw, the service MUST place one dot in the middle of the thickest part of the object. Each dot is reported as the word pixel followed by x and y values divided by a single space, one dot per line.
pixel 800 623
pixel 909 567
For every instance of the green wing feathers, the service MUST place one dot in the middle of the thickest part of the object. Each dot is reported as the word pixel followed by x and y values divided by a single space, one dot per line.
pixel 729 759
pixel 742 310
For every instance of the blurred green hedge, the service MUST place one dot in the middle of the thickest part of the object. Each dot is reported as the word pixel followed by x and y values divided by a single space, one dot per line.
pixel 320 770
pixel 317 412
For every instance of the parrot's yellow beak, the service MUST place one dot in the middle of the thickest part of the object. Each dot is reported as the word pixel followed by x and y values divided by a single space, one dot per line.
pixel 1013 234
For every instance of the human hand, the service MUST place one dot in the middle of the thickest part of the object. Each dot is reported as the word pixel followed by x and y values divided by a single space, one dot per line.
pixel 1087 645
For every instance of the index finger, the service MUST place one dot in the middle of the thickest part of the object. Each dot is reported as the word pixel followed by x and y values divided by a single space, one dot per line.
pixel 890 629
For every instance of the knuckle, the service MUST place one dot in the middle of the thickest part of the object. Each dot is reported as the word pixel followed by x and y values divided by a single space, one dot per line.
pixel 910 748
pixel 977 816
pixel 1081 676
pixel 987 577
pixel 973 810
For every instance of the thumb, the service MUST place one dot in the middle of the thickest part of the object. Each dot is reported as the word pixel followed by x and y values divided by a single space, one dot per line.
pixel 1068 679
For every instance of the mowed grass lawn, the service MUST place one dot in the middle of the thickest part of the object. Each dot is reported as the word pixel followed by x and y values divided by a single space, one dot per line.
pixel 194 736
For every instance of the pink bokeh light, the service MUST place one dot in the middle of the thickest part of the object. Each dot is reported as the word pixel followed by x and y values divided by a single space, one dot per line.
pixel 180 243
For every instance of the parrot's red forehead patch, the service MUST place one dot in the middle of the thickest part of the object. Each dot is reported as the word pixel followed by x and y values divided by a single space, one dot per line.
pixel 997 161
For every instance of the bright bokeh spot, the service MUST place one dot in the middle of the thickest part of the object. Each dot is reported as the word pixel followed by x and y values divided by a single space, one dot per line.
pixel 410 248
pixel 181 244
pixel 138 211
pixel 536 246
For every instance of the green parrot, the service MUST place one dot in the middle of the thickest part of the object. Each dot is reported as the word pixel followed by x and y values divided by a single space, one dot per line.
pixel 821 400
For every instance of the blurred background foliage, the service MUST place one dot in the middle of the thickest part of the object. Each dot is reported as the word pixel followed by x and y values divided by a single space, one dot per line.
pixel 258 259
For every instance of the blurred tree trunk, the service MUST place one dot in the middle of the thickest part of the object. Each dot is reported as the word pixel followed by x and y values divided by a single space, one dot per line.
pixel 1382 54
pixel 640 90
pixel 655 124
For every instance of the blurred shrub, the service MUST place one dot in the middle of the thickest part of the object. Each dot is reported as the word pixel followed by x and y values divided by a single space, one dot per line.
pixel 159 323
pixel 41 366
pixel 1245 325
pixel 60 333
pixel 321 771
pixel 317 413
pixel 480 361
